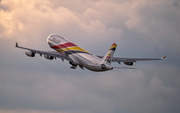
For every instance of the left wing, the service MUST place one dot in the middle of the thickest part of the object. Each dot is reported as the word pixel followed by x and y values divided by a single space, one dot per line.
pixel 49 53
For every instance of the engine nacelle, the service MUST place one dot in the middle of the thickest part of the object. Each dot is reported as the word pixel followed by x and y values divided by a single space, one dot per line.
pixel 128 63
pixel 29 53
pixel 49 57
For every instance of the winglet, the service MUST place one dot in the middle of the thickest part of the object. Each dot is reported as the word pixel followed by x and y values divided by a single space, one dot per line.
pixel 163 57
pixel 16 44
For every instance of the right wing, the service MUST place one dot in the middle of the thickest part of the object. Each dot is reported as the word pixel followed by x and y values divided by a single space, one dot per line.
pixel 126 59
pixel 49 53
pixel 121 59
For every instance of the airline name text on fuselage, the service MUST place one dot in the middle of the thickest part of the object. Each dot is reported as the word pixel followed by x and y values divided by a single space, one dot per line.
pixel 54 40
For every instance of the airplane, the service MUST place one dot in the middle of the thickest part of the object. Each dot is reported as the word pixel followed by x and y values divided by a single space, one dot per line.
pixel 78 56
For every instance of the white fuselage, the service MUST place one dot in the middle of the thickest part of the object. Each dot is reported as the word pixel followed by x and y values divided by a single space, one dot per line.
pixel 90 62
pixel 78 55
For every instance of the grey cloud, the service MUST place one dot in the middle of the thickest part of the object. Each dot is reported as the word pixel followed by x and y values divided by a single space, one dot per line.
pixel 119 92
pixel 3 7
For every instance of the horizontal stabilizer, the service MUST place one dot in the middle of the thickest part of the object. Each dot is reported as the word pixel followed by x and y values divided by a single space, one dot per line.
pixel 125 67
pixel 163 57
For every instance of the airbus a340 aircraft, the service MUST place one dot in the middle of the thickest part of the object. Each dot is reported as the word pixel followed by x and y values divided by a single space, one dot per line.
pixel 80 57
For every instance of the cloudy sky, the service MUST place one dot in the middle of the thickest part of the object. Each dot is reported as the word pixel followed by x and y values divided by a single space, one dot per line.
pixel 141 28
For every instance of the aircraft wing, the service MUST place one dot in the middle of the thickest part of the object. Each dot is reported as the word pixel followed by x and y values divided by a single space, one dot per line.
pixel 125 59
pixel 50 53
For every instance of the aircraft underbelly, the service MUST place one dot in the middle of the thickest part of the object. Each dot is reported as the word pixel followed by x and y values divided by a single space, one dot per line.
pixel 89 61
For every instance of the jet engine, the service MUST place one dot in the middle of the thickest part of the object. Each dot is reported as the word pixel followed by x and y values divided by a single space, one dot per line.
pixel 49 57
pixel 29 53
pixel 128 63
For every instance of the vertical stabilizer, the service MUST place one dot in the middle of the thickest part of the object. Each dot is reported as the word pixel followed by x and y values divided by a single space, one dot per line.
pixel 109 54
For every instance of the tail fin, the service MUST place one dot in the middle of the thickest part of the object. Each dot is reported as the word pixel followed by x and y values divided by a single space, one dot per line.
pixel 109 54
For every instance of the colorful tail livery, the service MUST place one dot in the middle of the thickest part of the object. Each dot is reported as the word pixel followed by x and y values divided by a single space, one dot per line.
pixel 76 56
pixel 109 55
